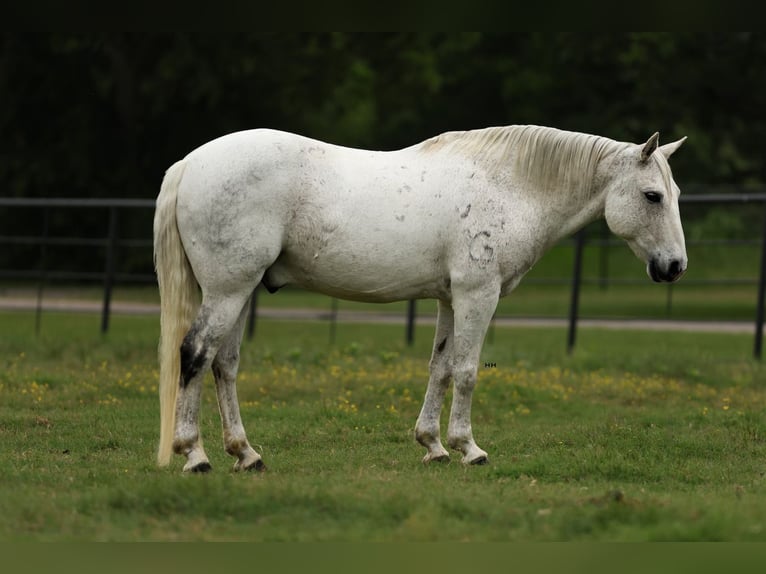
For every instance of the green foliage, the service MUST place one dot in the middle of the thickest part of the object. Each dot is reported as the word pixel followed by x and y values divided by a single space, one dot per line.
pixel 718 223
pixel 105 114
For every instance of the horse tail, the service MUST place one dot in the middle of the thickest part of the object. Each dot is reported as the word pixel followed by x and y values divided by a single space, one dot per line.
pixel 178 303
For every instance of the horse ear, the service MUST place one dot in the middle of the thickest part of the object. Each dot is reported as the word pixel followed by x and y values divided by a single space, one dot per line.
pixel 668 149
pixel 650 146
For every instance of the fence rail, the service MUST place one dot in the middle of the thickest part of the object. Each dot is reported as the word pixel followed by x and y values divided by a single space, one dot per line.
pixel 110 242
pixel 109 276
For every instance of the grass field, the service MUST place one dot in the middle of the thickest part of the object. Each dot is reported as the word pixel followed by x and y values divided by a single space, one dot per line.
pixel 638 436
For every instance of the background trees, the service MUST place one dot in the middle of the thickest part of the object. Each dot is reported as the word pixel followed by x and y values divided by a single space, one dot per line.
pixel 103 115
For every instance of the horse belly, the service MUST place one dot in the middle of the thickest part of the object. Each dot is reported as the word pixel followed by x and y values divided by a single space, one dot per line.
pixel 378 266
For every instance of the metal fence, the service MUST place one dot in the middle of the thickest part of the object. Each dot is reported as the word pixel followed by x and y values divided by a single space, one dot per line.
pixel 112 243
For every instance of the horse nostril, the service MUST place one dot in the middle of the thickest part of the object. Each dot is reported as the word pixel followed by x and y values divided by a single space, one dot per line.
pixel 675 269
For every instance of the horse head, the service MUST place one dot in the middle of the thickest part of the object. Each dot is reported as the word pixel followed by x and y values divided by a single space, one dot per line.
pixel 642 207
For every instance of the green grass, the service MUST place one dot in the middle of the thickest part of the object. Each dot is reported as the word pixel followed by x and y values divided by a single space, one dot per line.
pixel 637 436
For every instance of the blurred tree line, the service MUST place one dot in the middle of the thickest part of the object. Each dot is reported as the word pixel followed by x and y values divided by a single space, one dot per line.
pixel 103 115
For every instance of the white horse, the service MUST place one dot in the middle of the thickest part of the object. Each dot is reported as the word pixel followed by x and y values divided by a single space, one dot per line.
pixel 460 217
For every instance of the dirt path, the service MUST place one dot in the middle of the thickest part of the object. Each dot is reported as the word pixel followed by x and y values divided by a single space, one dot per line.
pixel 347 316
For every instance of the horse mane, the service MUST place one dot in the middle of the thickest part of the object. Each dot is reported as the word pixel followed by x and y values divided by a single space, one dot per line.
pixel 547 158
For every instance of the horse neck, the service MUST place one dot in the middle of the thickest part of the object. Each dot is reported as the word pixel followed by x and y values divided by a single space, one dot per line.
pixel 577 196
pixel 563 212
pixel 568 195
pixel 574 213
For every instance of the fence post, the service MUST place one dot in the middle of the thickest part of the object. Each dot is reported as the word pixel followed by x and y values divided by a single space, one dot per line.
pixel 758 347
pixel 603 258
pixel 576 280
pixel 669 300
pixel 333 319
pixel 43 269
pixel 410 334
pixel 252 314
pixel 111 256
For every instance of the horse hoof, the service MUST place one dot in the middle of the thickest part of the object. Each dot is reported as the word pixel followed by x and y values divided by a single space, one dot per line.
pixel 257 466
pixel 201 468
pixel 480 461
pixel 253 466
pixel 443 458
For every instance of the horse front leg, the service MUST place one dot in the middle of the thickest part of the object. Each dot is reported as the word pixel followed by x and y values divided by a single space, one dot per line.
pixel 427 430
pixel 473 310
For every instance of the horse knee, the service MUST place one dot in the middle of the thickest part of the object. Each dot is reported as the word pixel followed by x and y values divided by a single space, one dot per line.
pixel 465 378
pixel 440 370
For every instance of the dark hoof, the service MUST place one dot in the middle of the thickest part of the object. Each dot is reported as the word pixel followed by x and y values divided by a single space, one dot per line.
pixel 202 468
pixel 480 461
pixel 257 466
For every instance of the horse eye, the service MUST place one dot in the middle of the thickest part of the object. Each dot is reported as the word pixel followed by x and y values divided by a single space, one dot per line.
pixel 653 196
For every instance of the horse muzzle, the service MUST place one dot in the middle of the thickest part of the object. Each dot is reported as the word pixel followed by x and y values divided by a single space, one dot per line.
pixel 669 273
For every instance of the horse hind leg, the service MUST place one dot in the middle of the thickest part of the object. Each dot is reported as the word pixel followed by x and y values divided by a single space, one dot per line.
pixel 215 320
pixel 225 366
